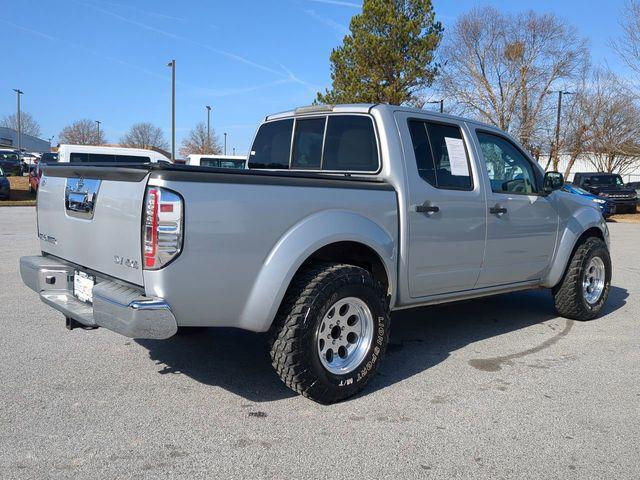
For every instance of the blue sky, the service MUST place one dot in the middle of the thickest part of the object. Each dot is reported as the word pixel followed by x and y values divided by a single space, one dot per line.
pixel 105 60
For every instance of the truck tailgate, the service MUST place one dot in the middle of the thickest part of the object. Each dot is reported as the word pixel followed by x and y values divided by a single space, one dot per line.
pixel 92 216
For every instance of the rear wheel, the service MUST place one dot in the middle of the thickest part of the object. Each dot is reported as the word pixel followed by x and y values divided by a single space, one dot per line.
pixel 585 286
pixel 331 332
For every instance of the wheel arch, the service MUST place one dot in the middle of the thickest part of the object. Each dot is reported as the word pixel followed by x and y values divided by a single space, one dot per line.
pixel 335 235
pixel 585 223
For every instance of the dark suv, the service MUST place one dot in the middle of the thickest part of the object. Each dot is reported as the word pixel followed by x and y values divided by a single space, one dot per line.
pixel 609 186
pixel 10 162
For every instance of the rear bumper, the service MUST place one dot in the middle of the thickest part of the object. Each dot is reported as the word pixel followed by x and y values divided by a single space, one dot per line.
pixel 121 308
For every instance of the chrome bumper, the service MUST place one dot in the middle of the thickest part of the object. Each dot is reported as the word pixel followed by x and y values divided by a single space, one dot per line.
pixel 122 309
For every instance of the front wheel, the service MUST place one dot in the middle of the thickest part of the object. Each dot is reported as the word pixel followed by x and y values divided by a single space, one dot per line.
pixel 331 332
pixel 584 289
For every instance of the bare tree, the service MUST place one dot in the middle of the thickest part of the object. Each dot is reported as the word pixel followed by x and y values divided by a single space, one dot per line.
pixel 500 68
pixel 628 44
pixel 616 131
pixel 82 132
pixel 197 141
pixel 144 135
pixel 28 124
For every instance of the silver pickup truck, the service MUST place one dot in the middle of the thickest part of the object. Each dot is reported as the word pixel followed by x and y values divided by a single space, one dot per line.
pixel 345 213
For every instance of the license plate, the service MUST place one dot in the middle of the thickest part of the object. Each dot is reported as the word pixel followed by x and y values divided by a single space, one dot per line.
pixel 83 286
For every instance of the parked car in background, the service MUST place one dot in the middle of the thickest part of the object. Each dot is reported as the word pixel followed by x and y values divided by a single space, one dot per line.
pixel 29 159
pixel 10 162
pixel 217 161
pixel 5 186
pixel 606 206
pixel 36 173
pixel 345 213
pixel 636 187
pixel 94 154
pixel 609 186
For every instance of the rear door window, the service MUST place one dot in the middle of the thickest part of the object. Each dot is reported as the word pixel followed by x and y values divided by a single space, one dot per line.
pixel 350 144
pixel 272 145
pixel 441 155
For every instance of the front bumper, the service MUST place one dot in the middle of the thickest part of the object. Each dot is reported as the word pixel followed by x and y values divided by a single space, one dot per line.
pixel 121 308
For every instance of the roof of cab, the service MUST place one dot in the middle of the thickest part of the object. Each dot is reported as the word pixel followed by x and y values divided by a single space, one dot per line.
pixel 366 108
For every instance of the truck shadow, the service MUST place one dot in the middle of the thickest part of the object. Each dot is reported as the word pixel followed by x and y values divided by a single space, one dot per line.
pixel 239 362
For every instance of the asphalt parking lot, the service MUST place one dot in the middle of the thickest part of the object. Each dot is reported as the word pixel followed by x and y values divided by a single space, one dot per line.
pixel 492 388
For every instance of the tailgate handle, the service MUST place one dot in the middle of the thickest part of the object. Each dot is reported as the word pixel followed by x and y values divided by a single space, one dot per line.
pixel 80 197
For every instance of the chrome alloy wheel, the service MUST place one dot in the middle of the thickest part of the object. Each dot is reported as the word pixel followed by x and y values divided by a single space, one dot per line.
pixel 344 335
pixel 593 280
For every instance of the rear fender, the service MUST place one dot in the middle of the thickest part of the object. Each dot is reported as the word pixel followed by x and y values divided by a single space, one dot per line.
pixel 297 245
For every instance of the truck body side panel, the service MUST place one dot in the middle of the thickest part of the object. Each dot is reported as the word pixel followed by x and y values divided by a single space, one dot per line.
pixel 225 275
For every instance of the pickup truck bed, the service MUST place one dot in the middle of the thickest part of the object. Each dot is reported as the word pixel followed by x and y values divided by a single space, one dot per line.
pixel 235 226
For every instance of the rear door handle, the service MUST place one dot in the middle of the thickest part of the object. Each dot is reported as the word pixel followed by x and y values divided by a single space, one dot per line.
pixel 427 208
pixel 497 210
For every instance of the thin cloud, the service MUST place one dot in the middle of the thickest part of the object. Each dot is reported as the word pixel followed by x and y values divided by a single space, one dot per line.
pixel 27 30
pixel 338 2
pixel 226 92
pixel 338 27
pixel 159 31
pixel 163 16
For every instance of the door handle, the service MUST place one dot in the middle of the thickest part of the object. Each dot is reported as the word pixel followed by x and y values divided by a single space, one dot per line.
pixel 427 208
pixel 497 210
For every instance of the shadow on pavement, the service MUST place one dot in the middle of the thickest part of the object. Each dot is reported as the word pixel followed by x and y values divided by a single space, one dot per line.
pixel 239 362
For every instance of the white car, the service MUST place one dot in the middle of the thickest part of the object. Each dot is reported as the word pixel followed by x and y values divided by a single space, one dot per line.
pixel 217 161
pixel 94 154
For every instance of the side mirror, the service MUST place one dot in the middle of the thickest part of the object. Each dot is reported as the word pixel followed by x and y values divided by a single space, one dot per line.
pixel 552 181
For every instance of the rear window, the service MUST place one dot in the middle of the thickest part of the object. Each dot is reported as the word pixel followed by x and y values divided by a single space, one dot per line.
pixel 332 143
pixel 272 145
pixel 49 158
pixel 76 157
pixel 350 144
pixel 221 163
pixel 307 143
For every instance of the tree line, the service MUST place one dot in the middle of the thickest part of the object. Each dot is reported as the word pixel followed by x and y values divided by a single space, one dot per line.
pixel 140 135
pixel 505 69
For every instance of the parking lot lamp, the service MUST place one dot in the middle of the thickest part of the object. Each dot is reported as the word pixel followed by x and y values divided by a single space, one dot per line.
pixel 172 64
pixel 208 126
pixel 225 143
pixel 19 127
pixel 556 150
pixel 98 122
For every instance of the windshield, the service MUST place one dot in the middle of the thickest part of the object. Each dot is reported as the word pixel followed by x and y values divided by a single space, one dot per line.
pixel 49 158
pixel 8 156
pixel 606 180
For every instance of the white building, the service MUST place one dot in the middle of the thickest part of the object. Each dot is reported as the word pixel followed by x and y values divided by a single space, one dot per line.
pixel 582 164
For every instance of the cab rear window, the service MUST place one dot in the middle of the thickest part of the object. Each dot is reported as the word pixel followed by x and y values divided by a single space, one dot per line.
pixel 334 143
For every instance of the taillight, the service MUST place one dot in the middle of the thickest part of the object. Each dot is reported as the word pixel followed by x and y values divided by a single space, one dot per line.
pixel 162 227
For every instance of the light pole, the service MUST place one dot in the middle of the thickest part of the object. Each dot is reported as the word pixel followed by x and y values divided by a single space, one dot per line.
pixel 19 127
pixel 98 122
pixel 225 143
pixel 208 123
pixel 172 64
pixel 441 102
pixel 556 150
pixel 234 150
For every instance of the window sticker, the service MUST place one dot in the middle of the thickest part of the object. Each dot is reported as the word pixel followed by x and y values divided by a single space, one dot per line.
pixel 457 157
